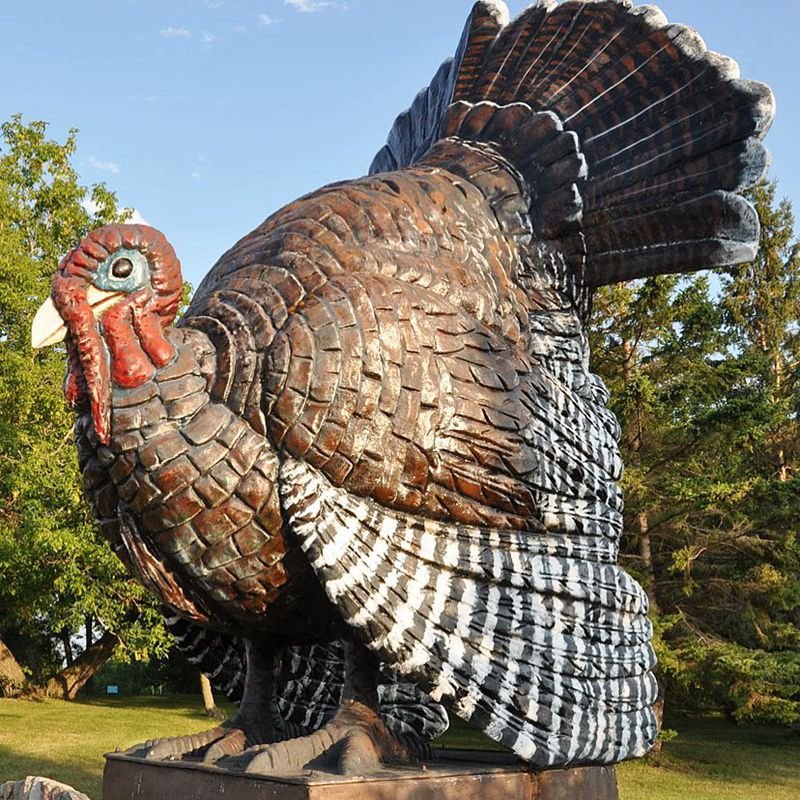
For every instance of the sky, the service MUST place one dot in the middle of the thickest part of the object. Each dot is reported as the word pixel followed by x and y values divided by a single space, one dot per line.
pixel 208 115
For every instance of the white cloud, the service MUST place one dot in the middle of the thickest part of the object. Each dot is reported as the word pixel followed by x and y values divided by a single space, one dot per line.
pixel 175 33
pixel 144 98
pixel 90 205
pixel 104 166
pixel 136 216
pixel 213 3
pixel 195 174
pixel 266 19
pixel 207 38
pixel 310 6
pixel 239 28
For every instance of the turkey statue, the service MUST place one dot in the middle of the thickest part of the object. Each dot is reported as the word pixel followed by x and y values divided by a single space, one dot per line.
pixel 374 437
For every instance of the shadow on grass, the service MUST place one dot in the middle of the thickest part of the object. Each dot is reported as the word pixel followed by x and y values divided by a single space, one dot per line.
pixel 190 705
pixel 461 736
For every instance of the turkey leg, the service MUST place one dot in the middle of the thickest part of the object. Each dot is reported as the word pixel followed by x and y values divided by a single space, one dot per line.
pixel 256 722
pixel 355 741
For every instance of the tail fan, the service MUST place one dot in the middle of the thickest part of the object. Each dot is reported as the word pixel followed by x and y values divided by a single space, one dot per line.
pixel 664 134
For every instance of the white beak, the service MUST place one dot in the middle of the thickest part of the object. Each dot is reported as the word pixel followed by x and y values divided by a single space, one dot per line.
pixel 48 327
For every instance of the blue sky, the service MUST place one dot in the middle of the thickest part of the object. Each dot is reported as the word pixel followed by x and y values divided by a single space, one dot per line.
pixel 208 115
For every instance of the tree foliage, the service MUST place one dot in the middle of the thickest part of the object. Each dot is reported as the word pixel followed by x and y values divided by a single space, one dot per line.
pixel 703 375
pixel 56 571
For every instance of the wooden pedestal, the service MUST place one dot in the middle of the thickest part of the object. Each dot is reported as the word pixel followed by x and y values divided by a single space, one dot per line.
pixel 454 775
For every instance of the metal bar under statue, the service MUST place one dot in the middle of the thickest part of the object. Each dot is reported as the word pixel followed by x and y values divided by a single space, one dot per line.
pixel 452 775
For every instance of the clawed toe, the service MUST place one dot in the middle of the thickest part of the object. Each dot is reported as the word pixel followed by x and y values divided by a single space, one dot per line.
pixel 235 741
pixel 343 746
pixel 173 748
pixel 358 754
pixel 209 746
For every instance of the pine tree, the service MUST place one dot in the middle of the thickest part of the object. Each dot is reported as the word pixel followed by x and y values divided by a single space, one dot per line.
pixel 705 388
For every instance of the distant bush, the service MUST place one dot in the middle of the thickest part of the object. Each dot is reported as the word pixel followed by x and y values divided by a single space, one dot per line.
pixel 169 675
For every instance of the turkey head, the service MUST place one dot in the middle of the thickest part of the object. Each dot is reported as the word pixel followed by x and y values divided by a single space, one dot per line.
pixel 113 297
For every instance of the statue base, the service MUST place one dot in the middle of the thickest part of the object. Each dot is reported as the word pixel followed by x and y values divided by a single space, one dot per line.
pixel 453 775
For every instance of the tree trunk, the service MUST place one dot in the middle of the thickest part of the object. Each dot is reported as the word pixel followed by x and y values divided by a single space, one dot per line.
pixel 634 439
pixel 67 683
pixel 645 553
pixel 66 642
pixel 89 626
pixel 783 467
pixel 12 677
pixel 208 699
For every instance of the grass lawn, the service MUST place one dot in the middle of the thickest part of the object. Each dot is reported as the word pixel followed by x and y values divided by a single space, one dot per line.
pixel 709 760
pixel 716 760
pixel 66 741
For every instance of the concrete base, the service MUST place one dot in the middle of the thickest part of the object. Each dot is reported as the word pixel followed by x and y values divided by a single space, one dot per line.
pixel 454 775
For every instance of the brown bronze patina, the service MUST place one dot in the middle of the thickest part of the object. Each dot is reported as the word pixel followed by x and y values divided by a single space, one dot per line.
pixel 369 473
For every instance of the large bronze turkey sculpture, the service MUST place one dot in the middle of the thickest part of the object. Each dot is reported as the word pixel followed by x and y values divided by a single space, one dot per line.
pixel 376 424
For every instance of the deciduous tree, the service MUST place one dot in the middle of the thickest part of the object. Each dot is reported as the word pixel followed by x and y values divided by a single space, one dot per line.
pixel 55 569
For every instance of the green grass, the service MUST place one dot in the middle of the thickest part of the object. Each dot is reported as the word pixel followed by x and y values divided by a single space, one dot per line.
pixel 716 760
pixel 709 760
pixel 66 741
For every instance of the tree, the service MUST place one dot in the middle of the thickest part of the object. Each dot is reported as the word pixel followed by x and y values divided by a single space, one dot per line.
pixel 56 571
pixel 209 704
pixel 762 303
pixel 649 342
pixel 757 597
pixel 704 385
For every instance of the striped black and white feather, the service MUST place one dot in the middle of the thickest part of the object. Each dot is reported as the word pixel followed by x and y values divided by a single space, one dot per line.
pixel 630 143
pixel 309 681
pixel 540 639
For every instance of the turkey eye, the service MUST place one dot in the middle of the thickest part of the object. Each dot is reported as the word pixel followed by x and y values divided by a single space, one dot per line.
pixel 121 268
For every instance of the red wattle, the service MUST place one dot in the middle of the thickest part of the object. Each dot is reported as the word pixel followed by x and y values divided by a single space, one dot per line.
pixel 69 295
pixel 74 384
pixel 149 327
pixel 130 365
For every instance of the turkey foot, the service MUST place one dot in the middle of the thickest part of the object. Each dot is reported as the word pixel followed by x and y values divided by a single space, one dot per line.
pixel 355 742
pixel 258 721
pixel 224 740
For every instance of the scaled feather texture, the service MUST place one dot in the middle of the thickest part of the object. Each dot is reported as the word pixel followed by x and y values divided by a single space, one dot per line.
pixel 376 421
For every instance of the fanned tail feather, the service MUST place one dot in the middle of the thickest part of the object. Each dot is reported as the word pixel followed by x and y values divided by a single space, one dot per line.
pixel 668 132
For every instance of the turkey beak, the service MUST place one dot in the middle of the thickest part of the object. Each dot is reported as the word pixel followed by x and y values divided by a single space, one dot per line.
pixel 48 327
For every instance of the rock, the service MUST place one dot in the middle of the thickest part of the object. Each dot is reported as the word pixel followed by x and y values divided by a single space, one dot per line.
pixel 35 788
